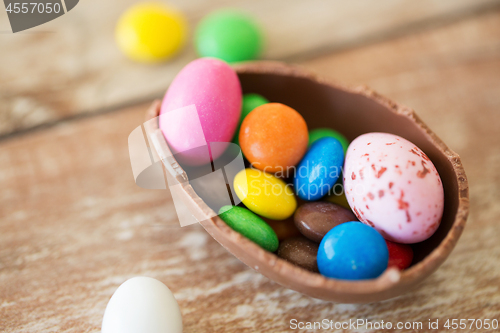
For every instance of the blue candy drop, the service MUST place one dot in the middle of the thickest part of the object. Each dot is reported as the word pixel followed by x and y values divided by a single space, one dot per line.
pixel 352 251
pixel 319 169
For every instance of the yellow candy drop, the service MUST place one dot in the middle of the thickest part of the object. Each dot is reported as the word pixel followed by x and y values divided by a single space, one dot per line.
pixel 265 194
pixel 151 32
pixel 339 200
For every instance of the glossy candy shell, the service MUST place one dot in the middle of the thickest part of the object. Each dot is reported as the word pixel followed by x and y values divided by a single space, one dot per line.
pixel 352 251
pixel 249 102
pixel 315 219
pixel 400 255
pixel 264 194
pixel 213 88
pixel 250 225
pixel 393 186
pixel 319 133
pixel 320 168
pixel 300 251
pixel 273 137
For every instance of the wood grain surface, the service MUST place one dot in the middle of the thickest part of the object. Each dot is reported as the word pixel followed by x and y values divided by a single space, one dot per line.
pixel 74 226
pixel 71 66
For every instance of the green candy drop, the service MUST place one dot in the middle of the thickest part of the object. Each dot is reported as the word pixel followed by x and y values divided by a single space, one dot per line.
pixel 251 226
pixel 249 102
pixel 320 133
pixel 228 35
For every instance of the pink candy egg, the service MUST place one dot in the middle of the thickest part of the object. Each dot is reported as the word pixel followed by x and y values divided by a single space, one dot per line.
pixel 393 186
pixel 202 105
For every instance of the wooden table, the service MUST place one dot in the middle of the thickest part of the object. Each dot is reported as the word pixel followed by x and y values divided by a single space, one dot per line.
pixel 74 225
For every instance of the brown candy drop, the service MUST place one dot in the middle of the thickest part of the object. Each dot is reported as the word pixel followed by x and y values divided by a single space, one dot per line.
pixel 283 228
pixel 299 251
pixel 315 219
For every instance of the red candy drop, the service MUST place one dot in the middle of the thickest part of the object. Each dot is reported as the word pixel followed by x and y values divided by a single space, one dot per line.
pixel 400 255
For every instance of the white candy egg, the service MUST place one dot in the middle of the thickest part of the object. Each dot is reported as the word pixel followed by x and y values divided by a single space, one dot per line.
pixel 142 305
pixel 393 186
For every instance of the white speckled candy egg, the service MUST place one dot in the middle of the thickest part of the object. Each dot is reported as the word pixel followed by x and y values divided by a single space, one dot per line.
pixel 393 186
pixel 140 305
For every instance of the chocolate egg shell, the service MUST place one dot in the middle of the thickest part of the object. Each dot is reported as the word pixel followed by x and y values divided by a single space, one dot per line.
pixel 315 219
pixel 300 251
pixel 355 111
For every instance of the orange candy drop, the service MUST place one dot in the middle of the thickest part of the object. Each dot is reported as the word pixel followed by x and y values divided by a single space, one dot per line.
pixel 273 137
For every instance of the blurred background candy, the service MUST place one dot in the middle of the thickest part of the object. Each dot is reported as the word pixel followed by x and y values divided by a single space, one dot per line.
pixel 229 35
pixel 151 32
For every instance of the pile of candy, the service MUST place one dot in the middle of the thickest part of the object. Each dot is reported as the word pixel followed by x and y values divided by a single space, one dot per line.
pixel 347 211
